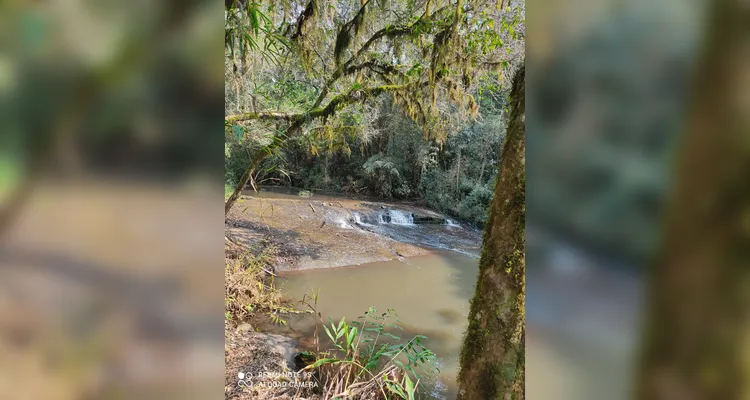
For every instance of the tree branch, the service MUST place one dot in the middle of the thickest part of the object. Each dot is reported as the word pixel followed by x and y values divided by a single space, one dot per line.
pixel 346 68
pixel 261 116
pixel 320 112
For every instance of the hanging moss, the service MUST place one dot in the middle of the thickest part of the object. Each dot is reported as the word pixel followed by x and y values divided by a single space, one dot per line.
pixel 308 15
pixel 440 34
pixel 348 32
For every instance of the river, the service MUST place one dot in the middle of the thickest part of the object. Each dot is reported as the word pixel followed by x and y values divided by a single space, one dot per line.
pixel 430 293
pixel 582 314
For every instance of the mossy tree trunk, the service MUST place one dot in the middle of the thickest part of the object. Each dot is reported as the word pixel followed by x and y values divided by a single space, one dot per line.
pixel 493 356
pixel 697 337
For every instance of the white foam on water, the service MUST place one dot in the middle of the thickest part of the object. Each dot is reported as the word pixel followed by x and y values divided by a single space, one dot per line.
pixel 343 224
pixel 358 219
pixel 401 218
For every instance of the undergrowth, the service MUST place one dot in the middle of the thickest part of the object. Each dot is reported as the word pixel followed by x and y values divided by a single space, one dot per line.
pixel 364 358
pixel 365 361
pixel 250 289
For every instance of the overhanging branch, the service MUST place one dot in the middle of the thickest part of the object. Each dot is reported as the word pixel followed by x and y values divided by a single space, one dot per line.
pixel 261 116
pixel 346 69
pixel 390 31
pixel 350 97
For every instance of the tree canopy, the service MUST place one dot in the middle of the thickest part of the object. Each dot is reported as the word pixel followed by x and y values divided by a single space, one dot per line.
pixel 295 67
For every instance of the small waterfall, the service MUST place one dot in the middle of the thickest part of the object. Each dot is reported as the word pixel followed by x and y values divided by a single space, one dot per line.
pixel 341 222
pixel 451 222
pixel 395 217
pixel 401 218
pixel 358 218
pixel 366 219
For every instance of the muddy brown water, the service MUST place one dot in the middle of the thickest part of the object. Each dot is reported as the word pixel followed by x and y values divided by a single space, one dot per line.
pixel 582 315
pixel 582 320
pixel 430 293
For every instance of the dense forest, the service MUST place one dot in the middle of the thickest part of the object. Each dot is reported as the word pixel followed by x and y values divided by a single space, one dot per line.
pixel 435 145
pixel 406 109
pixel 392 161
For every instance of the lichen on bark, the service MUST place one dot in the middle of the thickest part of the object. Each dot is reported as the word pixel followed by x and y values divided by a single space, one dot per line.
pixel 493 356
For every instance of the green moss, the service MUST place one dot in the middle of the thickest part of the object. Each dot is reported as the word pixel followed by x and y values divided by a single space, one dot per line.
pixel 492 358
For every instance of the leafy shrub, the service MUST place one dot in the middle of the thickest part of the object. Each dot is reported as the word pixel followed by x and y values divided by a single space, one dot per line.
pixel 475 205
pixel 382 175
pixel 362 364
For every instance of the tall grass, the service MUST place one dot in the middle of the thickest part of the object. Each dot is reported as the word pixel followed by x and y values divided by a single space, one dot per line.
pixel 250 289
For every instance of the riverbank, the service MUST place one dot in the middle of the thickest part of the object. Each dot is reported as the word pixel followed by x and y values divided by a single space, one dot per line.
pixel 313 233
pixel 353 249
pixel 253 361
pixel 284 237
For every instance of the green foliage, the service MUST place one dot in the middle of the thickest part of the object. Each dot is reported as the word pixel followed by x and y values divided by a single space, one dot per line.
pixel 248 30
pixel 240 148
pixel 383 176
pixel 361 341
pixel 367 357
pixel 236 160
pixel 474 206
pixel 440 63
pixel 388 156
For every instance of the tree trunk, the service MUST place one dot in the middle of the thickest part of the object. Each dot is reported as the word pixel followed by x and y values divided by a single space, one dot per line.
pixel 458 171
pixel 259 156
pixel 256 160
pixel 696 330
pixel 493 356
